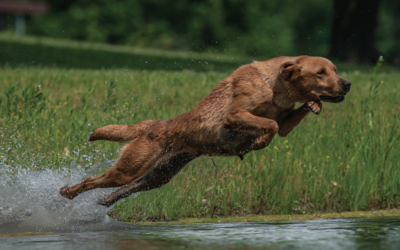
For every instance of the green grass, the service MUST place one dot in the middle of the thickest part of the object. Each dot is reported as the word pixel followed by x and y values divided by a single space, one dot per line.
pixel 354 144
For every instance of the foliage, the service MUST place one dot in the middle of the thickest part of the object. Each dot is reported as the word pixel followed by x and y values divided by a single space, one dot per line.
pixel 250 27
pixel 235 27
pixel 268 28
pixel 388 32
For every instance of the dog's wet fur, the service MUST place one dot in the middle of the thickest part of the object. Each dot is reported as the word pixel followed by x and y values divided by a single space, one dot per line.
pixel 242 113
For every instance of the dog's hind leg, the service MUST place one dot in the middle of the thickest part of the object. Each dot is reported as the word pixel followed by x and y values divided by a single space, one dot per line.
pixel 155 178
pixel 135 160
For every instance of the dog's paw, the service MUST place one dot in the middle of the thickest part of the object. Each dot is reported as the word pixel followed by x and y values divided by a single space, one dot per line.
pixel 315 107
pixel 64 192
pixel 104 202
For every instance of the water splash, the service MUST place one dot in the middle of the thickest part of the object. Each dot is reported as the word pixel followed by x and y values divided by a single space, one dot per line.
pixel 32 198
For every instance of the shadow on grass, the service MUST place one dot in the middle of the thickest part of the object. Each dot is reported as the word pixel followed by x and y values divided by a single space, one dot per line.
pixel 48 52
pixel 40 55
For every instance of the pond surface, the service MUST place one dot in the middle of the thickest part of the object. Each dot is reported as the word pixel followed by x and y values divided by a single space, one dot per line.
pixel 377 233
pixel 29 202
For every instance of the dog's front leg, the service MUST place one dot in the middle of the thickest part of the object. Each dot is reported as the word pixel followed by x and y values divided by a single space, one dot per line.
pixel 294 118
pixel 246 121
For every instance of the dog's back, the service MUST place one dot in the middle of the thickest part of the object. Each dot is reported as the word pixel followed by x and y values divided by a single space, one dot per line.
pixel 202 128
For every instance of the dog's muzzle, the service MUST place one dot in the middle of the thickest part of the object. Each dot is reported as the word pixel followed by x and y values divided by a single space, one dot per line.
pixel 337 99
pixel 346 86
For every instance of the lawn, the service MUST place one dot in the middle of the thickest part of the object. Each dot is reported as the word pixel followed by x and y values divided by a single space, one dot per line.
pixel 345 159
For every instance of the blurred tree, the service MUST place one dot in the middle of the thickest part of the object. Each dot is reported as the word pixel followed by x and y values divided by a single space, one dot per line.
pixel 388 32
pixel 353 33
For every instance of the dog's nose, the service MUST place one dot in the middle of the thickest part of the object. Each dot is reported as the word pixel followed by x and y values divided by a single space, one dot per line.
pixel 346 85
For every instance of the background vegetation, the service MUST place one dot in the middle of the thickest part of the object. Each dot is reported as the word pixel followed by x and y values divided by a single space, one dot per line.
pixel 344 159
pixel 364 28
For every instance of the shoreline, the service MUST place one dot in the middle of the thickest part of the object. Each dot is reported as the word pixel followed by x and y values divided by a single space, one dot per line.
pixel 25 234
pixel 250 218
pixel 272 218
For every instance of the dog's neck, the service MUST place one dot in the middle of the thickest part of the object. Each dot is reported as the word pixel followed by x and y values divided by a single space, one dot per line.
pixel 285 94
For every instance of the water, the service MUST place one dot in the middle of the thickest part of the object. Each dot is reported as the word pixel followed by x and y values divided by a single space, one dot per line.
pixel 29 202
pixel 382 233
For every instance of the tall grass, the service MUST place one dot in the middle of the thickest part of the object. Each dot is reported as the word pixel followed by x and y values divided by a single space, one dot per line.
pixel 46 113
pixel 344 159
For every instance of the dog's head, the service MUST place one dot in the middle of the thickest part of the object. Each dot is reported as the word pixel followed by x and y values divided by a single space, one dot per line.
pixel 315 78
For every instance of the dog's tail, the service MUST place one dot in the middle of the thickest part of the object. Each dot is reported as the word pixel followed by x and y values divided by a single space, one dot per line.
pixel 121 133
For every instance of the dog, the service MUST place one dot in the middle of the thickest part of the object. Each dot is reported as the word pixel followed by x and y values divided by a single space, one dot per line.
pixel 242 113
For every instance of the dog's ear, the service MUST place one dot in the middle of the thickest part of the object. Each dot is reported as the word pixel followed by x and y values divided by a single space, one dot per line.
pixel 289 70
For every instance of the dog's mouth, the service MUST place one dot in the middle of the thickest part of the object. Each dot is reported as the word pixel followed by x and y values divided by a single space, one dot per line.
pixel 336 99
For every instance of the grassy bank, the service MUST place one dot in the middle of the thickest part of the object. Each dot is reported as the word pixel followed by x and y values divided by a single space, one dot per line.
pixel 24 234
pixel 274 218
pixel 345 159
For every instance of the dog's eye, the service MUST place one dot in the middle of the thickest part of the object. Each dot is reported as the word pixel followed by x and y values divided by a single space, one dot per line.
pixel 321 72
